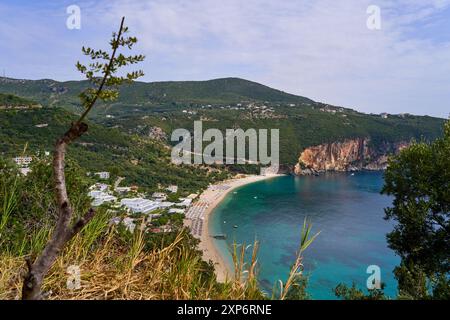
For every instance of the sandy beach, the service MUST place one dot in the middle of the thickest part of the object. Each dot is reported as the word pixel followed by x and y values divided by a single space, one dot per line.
pixel 197 218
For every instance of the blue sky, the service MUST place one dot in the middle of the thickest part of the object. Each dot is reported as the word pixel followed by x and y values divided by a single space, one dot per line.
pixel 319 49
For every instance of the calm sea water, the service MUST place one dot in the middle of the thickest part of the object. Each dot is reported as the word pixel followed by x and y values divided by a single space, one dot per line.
pixel 348 210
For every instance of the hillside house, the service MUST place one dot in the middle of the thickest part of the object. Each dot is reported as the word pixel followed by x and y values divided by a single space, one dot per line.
pixel 102 175
pixel 140 205
pixel 172 188
pixel 159 196
pixel 23 161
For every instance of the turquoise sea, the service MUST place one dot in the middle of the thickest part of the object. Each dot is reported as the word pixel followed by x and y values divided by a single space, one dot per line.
pixel 347 209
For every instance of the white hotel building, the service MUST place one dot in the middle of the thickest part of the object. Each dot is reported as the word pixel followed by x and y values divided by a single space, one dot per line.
pixel 140 205
pixel 100 197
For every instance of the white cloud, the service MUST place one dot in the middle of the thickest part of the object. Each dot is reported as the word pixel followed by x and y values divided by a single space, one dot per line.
pixel 320 49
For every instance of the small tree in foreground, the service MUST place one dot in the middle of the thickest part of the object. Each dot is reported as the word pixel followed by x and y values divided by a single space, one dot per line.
pixel 101 74
pixel 419 180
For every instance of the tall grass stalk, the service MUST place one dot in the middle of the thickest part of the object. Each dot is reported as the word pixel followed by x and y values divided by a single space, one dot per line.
pixel 9 203
pixel 297 268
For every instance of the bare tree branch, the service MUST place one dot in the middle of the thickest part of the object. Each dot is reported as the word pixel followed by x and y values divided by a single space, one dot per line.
pixel 63 231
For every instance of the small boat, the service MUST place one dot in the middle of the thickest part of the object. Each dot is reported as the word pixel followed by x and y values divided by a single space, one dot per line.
pixel 235 226
pixel 255 197
pixel 220 236
pixel 352 174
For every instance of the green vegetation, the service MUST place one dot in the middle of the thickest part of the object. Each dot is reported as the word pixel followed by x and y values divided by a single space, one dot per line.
pixel 419 180
pixel 353 293
pixel 229 103
pixel 101 149
pixel 28 204
pixel 300 127
pixel 10 100
pixel 219 91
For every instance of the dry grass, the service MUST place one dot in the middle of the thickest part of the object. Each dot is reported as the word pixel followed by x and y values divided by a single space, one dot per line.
pixel 114 269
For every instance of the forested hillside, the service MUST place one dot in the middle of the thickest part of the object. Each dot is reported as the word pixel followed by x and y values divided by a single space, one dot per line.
pixel 229 103
pixel 12 101
pixel 141 161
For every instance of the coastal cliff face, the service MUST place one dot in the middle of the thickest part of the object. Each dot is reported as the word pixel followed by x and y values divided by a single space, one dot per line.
pixel 348 155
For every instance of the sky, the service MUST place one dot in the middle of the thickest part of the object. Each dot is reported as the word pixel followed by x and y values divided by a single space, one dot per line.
pixel 322 49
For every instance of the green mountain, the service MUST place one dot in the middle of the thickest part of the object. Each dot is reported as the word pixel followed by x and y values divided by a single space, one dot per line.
pixel 228 103
pixel 218 91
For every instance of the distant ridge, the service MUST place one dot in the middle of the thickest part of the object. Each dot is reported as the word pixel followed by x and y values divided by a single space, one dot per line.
pixel 216 91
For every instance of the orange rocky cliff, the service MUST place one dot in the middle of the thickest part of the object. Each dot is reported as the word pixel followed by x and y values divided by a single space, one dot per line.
pixel 348 155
